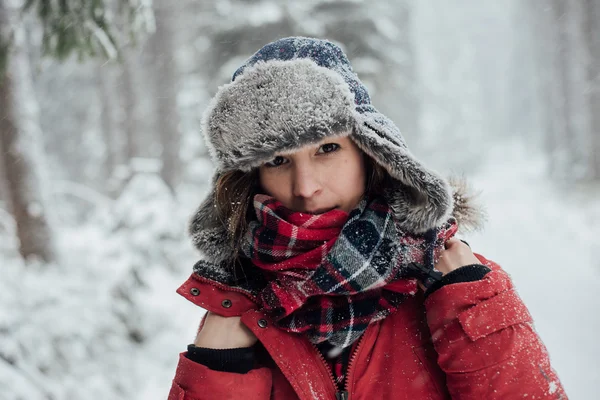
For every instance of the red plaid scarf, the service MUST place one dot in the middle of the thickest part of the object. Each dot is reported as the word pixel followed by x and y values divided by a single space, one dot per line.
pixel 331 275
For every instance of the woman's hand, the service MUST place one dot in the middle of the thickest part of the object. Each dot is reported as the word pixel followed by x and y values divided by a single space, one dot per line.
pixel 457 254
pixel 224 333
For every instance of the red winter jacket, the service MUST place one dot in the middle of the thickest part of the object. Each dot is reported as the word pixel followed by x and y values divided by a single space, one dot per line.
pixel 470 340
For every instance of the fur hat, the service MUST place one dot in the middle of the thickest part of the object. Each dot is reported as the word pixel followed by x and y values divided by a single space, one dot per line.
pixel 296 91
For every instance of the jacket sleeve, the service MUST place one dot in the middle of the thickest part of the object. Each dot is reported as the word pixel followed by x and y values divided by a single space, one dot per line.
pixel 240 360
pixel 486 342
pixel 194 381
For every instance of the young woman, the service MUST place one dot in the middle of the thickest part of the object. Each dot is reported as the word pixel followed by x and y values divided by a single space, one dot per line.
pixel 331 268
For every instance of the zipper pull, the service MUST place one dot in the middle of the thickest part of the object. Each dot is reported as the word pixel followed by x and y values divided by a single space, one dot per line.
pixel 343 395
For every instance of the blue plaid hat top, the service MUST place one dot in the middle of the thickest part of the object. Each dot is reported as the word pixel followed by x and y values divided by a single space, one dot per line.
pixel 322 52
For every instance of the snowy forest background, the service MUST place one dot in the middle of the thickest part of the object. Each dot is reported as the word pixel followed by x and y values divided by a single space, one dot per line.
pixel 102 163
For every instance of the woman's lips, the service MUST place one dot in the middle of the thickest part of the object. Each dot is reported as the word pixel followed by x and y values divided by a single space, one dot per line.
pixel 319 211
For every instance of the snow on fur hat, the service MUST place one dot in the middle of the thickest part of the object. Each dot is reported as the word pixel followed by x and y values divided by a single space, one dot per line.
pixel 296 91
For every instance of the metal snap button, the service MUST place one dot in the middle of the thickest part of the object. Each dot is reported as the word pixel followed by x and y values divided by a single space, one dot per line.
pixel 195 291
pixel 262 323
pixel 226 303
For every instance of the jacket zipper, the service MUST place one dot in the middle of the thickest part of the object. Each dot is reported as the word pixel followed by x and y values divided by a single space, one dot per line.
pixel 343 394
pixel 328 369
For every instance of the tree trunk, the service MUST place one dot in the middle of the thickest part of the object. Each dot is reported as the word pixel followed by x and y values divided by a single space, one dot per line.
pixel 108 120
pixel 580 113
pixel 562 105
pixel 591 32
pixel 129 117
pixel 20 141
pixel 553 82
pixel 538 19
pixel 165 77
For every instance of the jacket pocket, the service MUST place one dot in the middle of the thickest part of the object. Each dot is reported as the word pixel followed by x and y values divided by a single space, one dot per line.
pixel 497 313
pixel 428 358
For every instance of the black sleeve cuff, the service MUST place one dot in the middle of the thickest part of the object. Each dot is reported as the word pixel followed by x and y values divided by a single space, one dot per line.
pixel 468 273
pixel 240 360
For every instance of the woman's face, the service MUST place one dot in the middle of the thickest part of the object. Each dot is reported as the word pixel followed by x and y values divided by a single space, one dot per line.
pixel 317 178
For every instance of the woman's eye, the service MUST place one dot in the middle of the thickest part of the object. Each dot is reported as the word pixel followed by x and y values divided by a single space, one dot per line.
pixel 276 162
pixel 329 147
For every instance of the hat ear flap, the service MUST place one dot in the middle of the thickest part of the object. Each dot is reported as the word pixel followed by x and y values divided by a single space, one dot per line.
pixel 416 210
pixel 420 198
pixel 208 233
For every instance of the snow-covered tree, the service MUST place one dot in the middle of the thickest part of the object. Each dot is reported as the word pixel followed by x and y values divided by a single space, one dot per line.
pixel 84 27
pixel 165 73
pixel 590 23
pixel 22 152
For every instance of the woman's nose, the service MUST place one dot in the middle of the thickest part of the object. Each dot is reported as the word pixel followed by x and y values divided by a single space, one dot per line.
pixel 306 182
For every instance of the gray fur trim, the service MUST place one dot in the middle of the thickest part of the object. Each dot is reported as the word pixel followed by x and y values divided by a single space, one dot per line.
pixel 275 106
pixel 208 232
pixel 467 209
pixel 420 198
